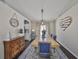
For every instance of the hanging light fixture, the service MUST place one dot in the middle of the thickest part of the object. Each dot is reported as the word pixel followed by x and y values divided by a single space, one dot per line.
pixel 42 21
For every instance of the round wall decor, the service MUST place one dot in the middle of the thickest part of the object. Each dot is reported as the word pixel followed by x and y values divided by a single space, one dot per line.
pixel 14 22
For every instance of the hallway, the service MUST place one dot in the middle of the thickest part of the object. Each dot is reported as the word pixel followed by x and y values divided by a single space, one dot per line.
pixel 30 53
pixel 38 29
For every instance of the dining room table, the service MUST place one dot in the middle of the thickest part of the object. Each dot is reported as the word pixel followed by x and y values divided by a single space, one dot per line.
pixel 53 43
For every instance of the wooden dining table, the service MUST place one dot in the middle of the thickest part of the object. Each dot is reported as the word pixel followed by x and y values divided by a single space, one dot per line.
pixel 53 43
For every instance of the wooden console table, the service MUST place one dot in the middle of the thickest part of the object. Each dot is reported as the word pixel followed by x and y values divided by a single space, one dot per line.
pixel 13 47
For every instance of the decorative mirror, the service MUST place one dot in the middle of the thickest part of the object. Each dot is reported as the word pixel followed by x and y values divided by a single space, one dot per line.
pixel 14 21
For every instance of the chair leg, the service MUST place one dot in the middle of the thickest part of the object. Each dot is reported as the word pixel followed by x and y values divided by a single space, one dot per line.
pixel 54 50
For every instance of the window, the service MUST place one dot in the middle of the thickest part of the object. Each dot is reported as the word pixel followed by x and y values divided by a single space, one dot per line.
pixel 43 27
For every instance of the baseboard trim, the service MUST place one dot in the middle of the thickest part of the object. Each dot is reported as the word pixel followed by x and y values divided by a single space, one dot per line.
pixel 69 54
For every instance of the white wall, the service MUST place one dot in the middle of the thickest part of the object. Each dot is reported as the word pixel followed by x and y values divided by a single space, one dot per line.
pixel 69 37
pixel 36 27
pixel 5 14
pixel 5 27
pixel 1 50
pixel 52 27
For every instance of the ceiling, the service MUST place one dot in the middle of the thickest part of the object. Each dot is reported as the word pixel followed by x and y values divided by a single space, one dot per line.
pixel 32 8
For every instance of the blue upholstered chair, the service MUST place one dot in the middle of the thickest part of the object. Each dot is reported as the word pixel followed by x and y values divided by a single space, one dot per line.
pixel 53 36
pixel 44 49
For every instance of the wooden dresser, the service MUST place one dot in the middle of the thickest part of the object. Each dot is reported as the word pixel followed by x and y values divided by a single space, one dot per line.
pixel 13 47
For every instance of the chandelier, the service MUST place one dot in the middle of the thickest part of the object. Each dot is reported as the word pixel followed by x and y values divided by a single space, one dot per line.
pixel 42 21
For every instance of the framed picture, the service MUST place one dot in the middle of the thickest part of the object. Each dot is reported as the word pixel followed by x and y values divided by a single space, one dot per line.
pixel 21 31
pixel 26 22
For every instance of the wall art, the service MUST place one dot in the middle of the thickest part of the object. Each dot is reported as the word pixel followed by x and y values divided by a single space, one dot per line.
pixel 66 22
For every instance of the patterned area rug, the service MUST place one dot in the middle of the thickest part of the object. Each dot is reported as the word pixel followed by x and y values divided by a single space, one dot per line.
pixel 32 53
pixel 58 54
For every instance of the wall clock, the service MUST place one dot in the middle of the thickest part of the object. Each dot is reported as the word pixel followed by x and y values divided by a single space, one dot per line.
pixel 14 22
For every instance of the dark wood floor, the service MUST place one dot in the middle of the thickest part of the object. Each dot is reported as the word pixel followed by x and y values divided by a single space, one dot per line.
pixel 67 53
